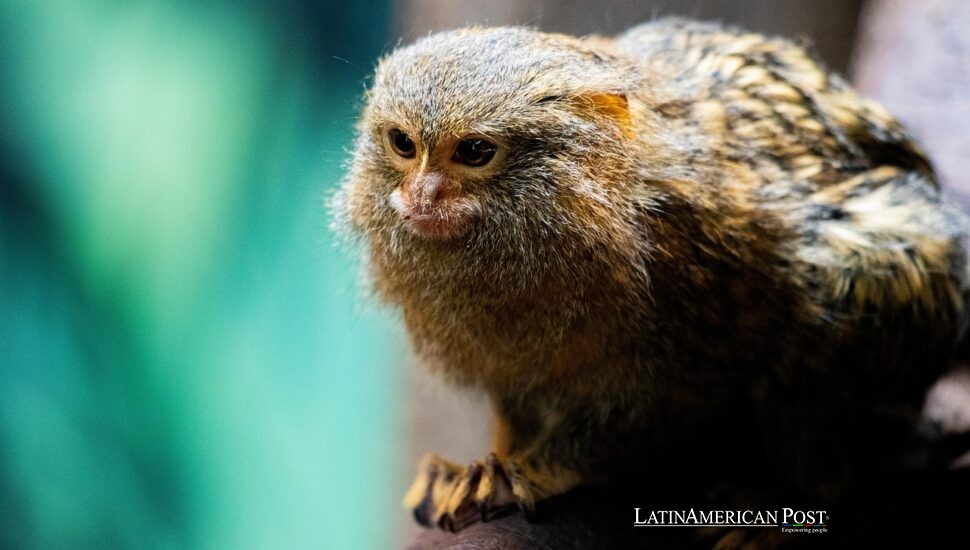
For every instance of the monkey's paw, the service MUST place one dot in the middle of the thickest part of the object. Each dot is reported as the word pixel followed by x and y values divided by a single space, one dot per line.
pixel 453 497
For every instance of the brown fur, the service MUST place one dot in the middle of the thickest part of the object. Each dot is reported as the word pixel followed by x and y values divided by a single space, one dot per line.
pixel 687 219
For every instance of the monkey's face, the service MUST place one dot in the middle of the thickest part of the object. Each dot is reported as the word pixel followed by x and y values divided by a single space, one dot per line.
pixel 498 144
pixel 435 197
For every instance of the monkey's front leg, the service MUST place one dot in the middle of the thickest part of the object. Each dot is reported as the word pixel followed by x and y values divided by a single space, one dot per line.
pixel 516 476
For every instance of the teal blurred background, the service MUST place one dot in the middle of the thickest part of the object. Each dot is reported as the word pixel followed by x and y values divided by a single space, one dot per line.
pixel 185 360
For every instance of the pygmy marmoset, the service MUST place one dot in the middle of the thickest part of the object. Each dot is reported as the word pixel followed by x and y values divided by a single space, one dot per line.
pixel 629 242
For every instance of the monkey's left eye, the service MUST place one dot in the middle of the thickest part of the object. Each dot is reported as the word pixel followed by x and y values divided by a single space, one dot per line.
pixel 474 152
pixel 402 143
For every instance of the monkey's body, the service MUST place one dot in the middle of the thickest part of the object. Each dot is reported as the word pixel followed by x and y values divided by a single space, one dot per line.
pixel 691 227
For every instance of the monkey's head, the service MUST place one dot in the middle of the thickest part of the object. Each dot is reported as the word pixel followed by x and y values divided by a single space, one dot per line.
pixel 485 149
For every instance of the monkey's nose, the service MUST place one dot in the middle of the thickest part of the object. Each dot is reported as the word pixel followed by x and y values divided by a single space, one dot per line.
pixel 434 207
pixel 428 191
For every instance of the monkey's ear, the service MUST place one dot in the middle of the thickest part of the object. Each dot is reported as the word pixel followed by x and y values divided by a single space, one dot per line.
pixel 612 105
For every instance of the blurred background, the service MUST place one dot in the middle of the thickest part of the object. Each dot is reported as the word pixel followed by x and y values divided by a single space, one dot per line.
pixel 187 357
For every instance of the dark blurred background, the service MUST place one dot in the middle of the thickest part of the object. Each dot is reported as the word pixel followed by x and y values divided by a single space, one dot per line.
pixel 187 358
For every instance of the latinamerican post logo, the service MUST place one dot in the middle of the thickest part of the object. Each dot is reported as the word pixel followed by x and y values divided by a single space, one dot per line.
pixel 789 520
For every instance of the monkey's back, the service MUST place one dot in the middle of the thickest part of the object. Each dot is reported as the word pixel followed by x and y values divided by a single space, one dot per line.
pixel 869 238
pixel 767 103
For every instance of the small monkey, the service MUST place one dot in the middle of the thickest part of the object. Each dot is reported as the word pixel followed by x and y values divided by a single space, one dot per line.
pixel 627 242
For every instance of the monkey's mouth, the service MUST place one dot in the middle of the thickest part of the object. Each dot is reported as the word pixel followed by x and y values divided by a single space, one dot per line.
pixel 437 226
pixel 444 220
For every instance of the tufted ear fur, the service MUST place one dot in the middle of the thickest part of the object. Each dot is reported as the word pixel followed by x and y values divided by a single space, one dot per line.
pixel 611 105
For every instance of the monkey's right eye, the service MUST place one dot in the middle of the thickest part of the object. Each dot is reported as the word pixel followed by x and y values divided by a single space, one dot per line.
pixel 401 143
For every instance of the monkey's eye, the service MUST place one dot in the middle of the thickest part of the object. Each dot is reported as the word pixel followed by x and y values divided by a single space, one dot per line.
pixel 401 143
pixel 474 152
